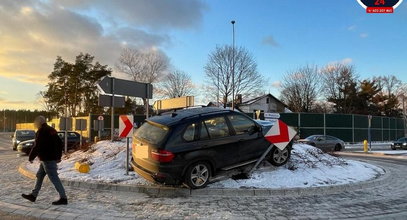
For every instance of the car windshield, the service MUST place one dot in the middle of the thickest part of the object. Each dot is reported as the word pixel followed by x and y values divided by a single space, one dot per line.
pixel 23 133
pixel 311 137
pixel 401 139
pixel 151 132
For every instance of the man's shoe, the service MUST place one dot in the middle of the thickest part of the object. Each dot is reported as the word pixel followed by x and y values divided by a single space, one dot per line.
pixel 61 201
pixel 29 197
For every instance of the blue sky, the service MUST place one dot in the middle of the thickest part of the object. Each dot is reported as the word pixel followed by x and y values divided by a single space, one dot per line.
pixel 318 33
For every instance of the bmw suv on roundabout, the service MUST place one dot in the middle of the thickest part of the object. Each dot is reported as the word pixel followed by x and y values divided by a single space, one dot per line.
pixel 190 146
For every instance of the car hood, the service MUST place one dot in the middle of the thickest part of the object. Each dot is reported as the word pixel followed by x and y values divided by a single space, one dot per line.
pixel 28 141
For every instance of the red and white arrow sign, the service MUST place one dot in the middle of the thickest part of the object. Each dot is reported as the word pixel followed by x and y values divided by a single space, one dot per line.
pixel 280 134
pixel 125 126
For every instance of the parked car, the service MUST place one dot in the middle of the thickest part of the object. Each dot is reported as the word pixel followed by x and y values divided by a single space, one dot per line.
pixel 21 135
pixel 400 143
pixel 190 146
pixel 324 142
pixel 73 142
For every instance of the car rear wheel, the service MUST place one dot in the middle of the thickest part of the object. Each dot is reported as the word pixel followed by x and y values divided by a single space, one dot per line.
pixel 279 157
pixel 338 147
pixel 197 175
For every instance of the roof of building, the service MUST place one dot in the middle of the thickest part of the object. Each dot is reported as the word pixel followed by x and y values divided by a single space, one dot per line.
pixel 251 101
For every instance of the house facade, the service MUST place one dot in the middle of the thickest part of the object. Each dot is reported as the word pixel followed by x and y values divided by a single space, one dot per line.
pixel 264 103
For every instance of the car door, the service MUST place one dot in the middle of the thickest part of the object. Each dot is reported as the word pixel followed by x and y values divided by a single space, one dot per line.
pixel 215 136
pixel 251 142
pixel 320 142
pixel 331 143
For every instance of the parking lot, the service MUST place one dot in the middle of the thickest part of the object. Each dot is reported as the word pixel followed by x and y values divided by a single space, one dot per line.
pixel 381 201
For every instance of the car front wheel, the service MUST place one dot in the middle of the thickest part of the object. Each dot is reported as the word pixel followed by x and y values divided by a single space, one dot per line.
pixel 279 157
pixel 197 175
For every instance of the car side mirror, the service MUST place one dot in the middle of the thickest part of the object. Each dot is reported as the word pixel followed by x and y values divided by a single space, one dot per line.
pixel 254 129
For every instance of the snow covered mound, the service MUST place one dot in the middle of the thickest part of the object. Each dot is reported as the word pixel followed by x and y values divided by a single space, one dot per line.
pixel 308 167
pixel 107 161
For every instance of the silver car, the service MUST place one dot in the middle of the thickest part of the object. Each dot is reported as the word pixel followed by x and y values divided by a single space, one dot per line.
pixel 324 142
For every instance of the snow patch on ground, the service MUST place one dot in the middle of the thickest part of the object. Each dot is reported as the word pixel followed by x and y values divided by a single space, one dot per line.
pixel 107 160
pixel 308 167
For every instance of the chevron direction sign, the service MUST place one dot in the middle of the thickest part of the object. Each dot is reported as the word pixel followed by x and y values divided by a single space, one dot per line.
pixel 280 134
pixel 125 126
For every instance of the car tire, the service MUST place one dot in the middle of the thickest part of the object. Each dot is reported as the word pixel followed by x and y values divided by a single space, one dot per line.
pixel 14 148
pixel 338 147
pixel 198 174
pixel 279 157
pixel 393 147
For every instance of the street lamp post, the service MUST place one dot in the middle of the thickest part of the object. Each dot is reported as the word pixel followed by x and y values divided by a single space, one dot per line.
pixel 217 96
pixel 233 64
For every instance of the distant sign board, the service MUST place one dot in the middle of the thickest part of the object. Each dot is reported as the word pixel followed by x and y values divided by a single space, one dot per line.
pixel 106 101
pixel 174 103
pixel 98 125
pixel 80 124
pixel 65 124
pixel 273 117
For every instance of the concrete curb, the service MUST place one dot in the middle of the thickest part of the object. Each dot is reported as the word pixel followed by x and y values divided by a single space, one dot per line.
pixel 372 154
pixel 163 191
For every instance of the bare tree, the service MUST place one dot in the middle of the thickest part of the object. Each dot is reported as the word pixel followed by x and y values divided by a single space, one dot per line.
pixel 218 71
pixel 147 66
pixel 390 84
pixel 339 83
pixel 176 84
pixel 300 88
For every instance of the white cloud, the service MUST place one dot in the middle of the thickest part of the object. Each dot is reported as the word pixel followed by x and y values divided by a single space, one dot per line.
pixel 276 84
pixel 364 35
pixel 352 27
pixel 269 40
pixel 346 60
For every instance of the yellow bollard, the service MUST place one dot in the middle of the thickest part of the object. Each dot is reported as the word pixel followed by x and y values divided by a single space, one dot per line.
pixel 82 167
pixel 365 147
pixel 96 139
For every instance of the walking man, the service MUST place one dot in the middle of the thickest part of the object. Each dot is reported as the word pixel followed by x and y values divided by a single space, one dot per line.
pixel 48 148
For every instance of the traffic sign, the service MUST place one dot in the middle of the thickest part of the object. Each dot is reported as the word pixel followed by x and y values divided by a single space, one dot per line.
pixel 106 101
pixel 111 85
pixel 100 118
pixel 65 124
pixel 80 124
pixel 280 134
pixel 126 126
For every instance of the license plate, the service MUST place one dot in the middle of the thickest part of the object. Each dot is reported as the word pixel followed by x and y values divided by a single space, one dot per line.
pixel 142 151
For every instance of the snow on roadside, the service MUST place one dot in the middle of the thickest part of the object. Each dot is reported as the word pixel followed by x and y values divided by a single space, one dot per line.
pixel 107 162
pixel 308 167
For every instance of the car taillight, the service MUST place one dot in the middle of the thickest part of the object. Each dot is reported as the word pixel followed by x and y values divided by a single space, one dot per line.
pixel 162 156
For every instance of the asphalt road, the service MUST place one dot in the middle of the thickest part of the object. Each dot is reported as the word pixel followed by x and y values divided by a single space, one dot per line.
pixel 387 201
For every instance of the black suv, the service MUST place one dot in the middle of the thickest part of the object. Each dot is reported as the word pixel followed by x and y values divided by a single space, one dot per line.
pixel 191 145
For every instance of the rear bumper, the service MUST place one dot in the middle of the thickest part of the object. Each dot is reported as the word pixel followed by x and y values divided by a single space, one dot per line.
pixel 159 177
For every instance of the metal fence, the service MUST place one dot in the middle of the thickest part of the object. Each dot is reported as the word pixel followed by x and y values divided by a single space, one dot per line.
pixel 349 128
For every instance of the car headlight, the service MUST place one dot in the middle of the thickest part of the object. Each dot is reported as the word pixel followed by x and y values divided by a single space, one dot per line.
pixel 17 141
pixel 28 144
pixel 404 144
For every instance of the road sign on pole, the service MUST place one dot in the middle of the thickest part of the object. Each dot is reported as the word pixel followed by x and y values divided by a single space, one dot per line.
pixel 126 130
pixel 280 135
pixel 80 125
pixel 113 86
pixel 107 100
pixel 369 135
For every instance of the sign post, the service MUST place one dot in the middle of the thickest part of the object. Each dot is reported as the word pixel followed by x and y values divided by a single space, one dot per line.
pixel 65 124
pixel 121 87
pixel 98 125
pixel 369 135
pixel 80 124
pixel 126 131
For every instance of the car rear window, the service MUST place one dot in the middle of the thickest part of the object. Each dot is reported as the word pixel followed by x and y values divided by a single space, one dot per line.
pixel 190 132
pixel 25 133
pixel 151 133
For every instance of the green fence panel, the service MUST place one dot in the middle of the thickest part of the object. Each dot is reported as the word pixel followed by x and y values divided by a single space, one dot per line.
pixel 290 119
pixel 376 134
pixel 305 132
pixel 338 121
pixel 361 121
pixel 343 134
pixel 386 122
pixel 360 134
pixel 311 120
pixel 376 122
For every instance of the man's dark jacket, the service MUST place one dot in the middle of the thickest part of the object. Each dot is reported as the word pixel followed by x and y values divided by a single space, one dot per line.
pixel 48 145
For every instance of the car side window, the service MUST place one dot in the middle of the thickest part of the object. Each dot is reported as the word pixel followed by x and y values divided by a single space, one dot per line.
pixel 240 123
pixel 189 134
pixel 217 127
pixel 204 132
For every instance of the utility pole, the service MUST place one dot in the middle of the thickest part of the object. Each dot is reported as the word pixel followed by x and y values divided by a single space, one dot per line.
pixel 217 96
pixel 112 114
pixel 4 120
pixel 233 65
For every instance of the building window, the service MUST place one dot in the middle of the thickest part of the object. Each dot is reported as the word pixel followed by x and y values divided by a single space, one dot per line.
pixel 268 100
